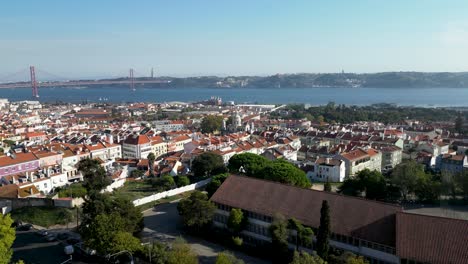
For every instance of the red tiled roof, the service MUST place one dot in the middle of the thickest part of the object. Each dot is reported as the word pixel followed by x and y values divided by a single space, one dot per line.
pixel 430 239
pixel 350 216
pixel 20 158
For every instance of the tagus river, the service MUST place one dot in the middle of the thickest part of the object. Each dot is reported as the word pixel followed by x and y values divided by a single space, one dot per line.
pixel 427 97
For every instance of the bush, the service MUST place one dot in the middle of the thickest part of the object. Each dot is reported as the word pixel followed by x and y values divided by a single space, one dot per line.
pixel 237 241
pixel 182 181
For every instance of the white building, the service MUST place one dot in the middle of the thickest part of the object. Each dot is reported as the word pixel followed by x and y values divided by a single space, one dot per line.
pixel 136 147
pixel 327 169
pixel 360 159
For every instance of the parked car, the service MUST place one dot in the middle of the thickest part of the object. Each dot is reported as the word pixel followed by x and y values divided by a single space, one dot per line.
pixel 25 227
pixel 42 232
pixel 63 236
pixel 73 241
pixel 50 237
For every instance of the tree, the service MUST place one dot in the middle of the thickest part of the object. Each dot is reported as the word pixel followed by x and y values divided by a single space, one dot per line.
pixel 227 258
pixel 105 204
pixel 124 241
pixel 406 175
pixel 207 164
pixel 156 252
pixel 305 258
pixel 347 258
pixel 137 173
pixel 279 239
pixel 247 163
pixel 151 158
pixel 303 234
pixel 107 235
pixel 167 182
pixel 327 187
pixel 94 176
pixel 183 181
pixel 215 182
pixel 237 221
pixel 323 235
pixel 7 237
pixel 181 253
pixel 284 172
pixel 427 190
pixel 461 180
pixel 211 124
pixel 372 183
pixel 196 210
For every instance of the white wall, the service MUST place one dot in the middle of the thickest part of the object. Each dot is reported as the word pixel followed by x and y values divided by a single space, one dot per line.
pixel 172 192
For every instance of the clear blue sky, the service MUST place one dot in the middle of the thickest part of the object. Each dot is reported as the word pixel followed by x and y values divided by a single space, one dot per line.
pixel 198 37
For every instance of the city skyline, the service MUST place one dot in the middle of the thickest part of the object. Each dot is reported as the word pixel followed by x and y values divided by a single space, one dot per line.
pixel 105 39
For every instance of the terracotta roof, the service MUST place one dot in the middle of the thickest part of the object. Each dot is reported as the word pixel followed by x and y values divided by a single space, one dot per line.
pixel 35 134
pixel 351 216
pixel 431 239
pixel 137 140
pixel 20 158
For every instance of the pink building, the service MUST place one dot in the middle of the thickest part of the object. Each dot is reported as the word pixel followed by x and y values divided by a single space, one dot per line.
pixel 16 163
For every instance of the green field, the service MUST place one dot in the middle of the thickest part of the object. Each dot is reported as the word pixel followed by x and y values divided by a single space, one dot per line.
pixel 133 190
pixel 44 216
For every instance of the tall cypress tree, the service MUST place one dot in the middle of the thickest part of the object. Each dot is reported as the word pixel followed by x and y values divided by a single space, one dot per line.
pixel 324 231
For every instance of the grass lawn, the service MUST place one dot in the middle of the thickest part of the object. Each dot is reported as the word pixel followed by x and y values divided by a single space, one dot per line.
pixel 147 206
pixel 133 190
pixel 44 216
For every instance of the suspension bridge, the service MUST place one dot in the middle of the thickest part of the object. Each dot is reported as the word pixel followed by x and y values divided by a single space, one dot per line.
pixel 131 81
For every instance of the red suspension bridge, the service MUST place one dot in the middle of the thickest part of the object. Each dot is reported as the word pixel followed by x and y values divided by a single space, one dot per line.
pixel 34 84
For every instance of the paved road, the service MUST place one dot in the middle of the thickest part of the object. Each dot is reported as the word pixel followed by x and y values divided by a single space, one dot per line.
pixel 163 223
pixel 33 248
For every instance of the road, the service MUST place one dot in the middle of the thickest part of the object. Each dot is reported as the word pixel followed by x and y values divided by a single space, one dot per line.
pixel 32 248
pixel 163 223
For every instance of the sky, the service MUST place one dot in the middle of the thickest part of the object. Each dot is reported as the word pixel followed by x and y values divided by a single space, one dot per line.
pixel 89 38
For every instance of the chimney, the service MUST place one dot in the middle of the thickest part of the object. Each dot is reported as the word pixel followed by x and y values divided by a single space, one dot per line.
pixel 327 160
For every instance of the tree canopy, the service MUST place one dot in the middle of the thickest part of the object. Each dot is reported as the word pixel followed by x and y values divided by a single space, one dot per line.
pixel 406 176
pixel 211 123
pixel 279 239
pixel 7 237
pixel 95 177
pixel 237 221
pixel 280 170
pixel 181 253
pixel 215 182
pixel 284 172
pixel 227 258
pixel 107 235
pixel 371 183
pixel 196 210
pixel 208 164
pixel 303 257
pixel 247 163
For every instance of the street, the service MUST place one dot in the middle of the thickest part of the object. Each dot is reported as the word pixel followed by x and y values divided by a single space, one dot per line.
pixel 33 248
pixel 163 223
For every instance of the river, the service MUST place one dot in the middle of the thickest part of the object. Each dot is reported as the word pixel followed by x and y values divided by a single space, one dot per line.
pixel 427 97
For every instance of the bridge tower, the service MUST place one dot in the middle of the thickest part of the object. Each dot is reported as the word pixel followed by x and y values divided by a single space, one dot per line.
pixel 35 91
pixel 132 80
